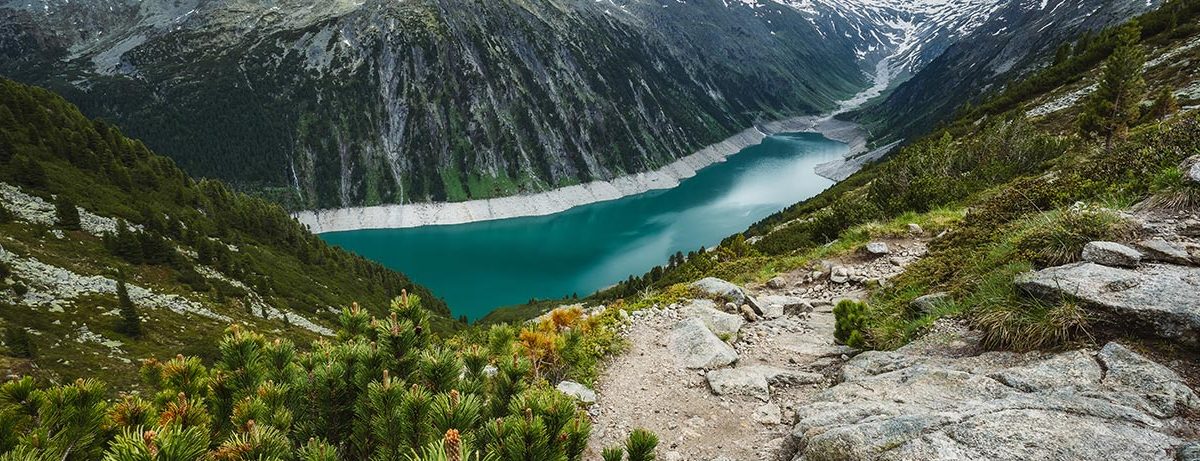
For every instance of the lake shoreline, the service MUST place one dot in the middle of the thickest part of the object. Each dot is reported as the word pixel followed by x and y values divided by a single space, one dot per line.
pixel 399 216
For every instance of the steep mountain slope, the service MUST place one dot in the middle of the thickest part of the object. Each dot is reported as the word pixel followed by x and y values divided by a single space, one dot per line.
pixel 1017 39
pixel 195 256
pixel 332 104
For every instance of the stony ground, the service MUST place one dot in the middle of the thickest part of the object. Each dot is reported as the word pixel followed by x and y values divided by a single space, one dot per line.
pixel 647 388
pixel 782 389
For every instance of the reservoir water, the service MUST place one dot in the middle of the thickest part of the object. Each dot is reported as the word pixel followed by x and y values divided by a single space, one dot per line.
pixel 479 266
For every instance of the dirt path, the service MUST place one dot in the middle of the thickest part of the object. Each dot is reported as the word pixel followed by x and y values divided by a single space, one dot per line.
pixel 647 388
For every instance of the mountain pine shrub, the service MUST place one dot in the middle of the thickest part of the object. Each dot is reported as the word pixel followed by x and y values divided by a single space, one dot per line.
pixel 850 319
pixel 382 389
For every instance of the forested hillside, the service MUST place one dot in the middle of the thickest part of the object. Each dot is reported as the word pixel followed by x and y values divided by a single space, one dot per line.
pixel 85 209
pixel 334 104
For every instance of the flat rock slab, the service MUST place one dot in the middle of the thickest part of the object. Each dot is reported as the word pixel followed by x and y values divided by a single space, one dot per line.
pixel 736 381
pixel 1111 405
pixel 695 346
pixel 1111 254
pixel 720 323
pixel 1157 300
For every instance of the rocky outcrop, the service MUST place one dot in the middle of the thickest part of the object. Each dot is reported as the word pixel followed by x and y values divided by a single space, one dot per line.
pixel 694 346
pixel 1156 300
pixel 1164 251
pixel 715 287
pixel 1112 404
pixel 720 323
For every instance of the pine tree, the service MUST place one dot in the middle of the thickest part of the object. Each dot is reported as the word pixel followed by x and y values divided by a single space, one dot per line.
pixel 1062 54
pixel 1165 104
pixel 67 215
pixel 130 323
pixel 125 244
pixel 28 172
pixel 1114 107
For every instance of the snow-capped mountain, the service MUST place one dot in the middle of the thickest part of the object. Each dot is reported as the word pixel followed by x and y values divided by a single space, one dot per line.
pixel 1015 39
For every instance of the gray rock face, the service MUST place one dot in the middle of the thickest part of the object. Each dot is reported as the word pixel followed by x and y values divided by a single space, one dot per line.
pixel 928 303
pixel 1111 254
pixel 878 248
pixel 1154 300
pixel 720 323
pixel 1113 405
pixel 694 346
pixel 1194 172
pixel 1162 250
pixel 736 381
pixel 578 391
pixel 730 292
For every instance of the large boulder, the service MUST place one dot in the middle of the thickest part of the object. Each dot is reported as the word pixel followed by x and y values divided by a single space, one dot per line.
pixel 727 291
pixel 720 323
pixel 737 381
pixel 1111 254
pixel 998 406
pixel 1194 171
pixel 878 248
pixel 1156 300
pixel 695 346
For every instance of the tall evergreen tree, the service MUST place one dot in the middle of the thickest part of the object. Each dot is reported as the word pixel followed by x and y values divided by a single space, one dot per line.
pixel 130 324
pixel 1114 107
pixel 66 214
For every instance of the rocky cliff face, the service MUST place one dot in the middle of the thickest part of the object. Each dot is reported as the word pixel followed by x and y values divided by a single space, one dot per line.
pixel 333 104
pixel 1015 40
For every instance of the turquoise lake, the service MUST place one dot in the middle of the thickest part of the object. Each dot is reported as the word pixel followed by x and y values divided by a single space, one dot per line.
pixel 480 266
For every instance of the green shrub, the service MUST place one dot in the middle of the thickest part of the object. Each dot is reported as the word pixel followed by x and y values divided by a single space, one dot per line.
pixel 6 216
pixel 850 322
pixel 1058 237
pixel 194 280
pixel 18 342
pixel 640 445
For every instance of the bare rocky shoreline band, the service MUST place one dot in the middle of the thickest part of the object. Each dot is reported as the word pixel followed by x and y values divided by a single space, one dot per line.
pixel 398 216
